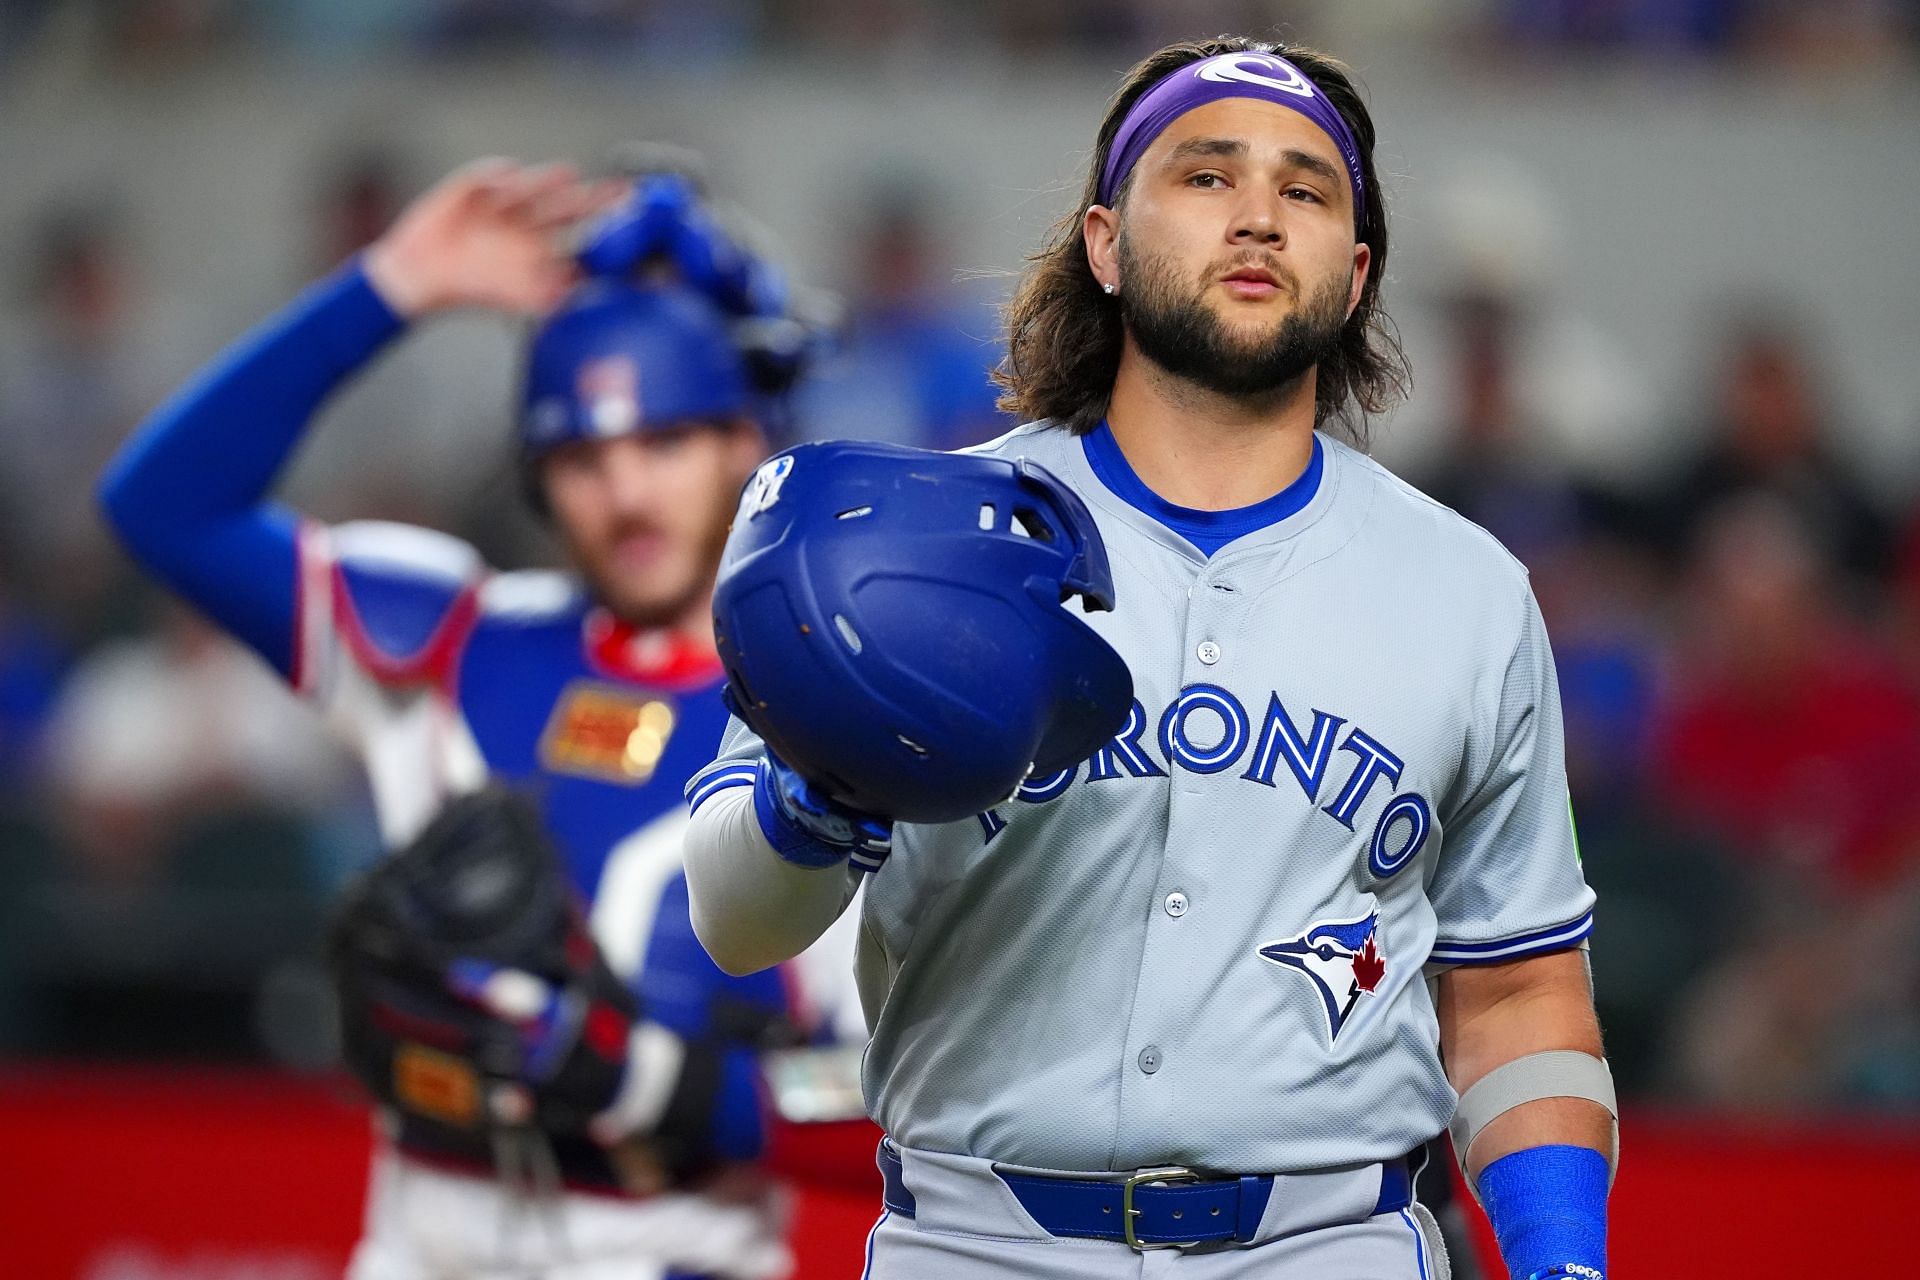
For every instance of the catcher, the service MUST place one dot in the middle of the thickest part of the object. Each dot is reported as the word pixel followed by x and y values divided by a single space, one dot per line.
pixel 570 1088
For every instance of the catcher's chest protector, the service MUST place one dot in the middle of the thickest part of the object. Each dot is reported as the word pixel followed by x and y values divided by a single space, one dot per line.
pixel 449 676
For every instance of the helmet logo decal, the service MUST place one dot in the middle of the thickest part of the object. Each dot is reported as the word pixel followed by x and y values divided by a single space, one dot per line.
pixel 764 489
pixel 609 389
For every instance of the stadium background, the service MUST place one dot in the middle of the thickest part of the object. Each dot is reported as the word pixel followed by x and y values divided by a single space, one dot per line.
pixel 1654 263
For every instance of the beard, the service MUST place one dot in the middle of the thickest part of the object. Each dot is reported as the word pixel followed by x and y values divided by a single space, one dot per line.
pixel 668 601
pixel 1176 329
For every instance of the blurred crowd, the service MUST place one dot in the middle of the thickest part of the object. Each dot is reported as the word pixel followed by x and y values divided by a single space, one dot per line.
pixel 1738 644
pixel 1836 34
pixel 1738 637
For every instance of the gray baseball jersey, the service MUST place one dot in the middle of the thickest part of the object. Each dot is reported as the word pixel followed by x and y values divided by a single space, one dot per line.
pixel 1206 945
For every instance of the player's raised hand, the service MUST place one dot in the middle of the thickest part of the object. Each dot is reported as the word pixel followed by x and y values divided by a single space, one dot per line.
pixel 491 234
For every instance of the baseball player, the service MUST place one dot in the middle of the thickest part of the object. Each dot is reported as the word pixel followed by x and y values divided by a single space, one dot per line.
pixel 1319 898
pixel 591 695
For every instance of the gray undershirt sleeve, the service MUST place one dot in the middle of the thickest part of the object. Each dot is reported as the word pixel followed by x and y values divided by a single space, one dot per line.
pixel 751 908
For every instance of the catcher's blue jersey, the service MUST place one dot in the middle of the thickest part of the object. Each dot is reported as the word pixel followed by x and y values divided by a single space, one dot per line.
pixel 1206 945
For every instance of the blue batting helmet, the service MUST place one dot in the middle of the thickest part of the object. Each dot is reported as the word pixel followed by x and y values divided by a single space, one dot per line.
pixel 894 624
pixel 618 358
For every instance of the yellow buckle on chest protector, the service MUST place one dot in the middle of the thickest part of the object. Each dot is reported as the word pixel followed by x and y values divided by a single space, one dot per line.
pixel 1148 1178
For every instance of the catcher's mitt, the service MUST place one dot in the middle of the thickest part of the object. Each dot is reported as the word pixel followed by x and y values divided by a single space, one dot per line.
pixel 472 998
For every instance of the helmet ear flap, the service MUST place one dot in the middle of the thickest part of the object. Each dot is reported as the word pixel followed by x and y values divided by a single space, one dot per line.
pixel 1060 510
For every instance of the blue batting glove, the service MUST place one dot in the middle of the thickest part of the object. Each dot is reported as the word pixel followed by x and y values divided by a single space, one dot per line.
pixel 806 827
pixel 1567 1271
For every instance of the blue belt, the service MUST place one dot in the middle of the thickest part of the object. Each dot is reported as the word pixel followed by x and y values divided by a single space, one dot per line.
pixel 1154 1208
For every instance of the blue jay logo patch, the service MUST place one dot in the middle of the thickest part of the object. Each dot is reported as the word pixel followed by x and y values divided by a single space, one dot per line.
pixel 1340 957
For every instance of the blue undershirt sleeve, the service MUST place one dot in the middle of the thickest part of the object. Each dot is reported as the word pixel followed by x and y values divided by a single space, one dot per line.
pixel 188 493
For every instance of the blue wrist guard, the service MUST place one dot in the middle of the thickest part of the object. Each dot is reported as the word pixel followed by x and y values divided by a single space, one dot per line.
pixel 1548 1206
pixel 808 829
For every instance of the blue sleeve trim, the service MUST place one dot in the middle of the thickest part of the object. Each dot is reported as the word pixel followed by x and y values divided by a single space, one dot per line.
pixel 1557 938
pixel 187 494
pixel 706 786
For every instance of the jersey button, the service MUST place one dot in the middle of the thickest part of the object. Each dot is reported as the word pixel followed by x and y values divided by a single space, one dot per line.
pixel 1176 904
pixel 1150 1059
pixel 1208 652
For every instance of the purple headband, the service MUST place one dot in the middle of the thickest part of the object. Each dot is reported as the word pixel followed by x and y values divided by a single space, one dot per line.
pixel 1265 76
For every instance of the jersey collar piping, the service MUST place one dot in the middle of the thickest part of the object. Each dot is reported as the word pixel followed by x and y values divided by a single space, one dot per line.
pixel 1208 531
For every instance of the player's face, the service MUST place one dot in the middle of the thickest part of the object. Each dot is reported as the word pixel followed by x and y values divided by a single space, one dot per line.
pixel 1234 249
pixel 644 517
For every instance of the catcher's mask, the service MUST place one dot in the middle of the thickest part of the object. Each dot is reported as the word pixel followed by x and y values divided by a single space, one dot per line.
pixel 895 624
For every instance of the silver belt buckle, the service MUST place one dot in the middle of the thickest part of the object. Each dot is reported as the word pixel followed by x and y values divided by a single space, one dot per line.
pixel 1148 1178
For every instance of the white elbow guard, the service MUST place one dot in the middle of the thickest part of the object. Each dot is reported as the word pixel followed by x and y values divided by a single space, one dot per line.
pixel 1557 1073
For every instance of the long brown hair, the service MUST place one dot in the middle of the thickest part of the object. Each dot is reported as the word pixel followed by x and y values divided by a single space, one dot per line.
pixel 1064 335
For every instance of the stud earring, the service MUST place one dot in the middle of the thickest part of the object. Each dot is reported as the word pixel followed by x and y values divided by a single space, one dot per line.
pixel 1109 287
